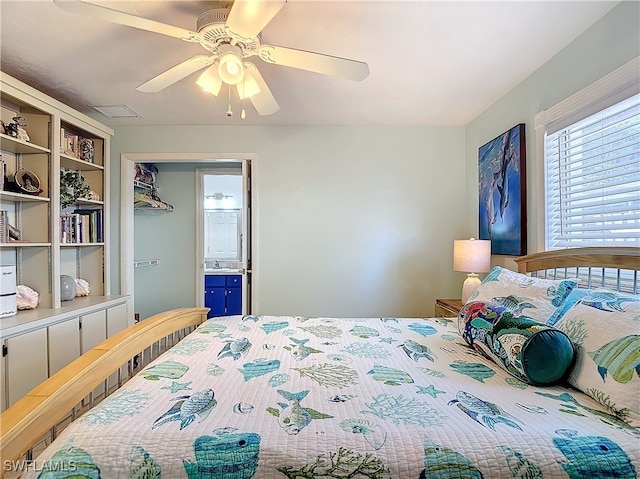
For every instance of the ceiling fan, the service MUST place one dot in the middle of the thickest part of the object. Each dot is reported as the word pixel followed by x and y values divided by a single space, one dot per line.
pixel 231 34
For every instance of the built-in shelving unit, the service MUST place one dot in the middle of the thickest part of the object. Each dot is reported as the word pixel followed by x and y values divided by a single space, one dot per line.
pixel 59 137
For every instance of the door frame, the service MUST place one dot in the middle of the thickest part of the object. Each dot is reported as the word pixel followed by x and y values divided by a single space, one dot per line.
pixel 244 172
pixel 127 174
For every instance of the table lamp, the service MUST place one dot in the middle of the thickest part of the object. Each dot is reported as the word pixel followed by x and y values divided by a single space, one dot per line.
pixel 471 256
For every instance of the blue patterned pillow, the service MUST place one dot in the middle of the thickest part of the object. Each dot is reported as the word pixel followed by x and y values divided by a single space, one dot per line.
pixel 572 299
pixel 535 298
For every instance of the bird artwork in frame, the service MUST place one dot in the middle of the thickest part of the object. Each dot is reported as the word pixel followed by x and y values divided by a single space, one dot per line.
pixel 502 192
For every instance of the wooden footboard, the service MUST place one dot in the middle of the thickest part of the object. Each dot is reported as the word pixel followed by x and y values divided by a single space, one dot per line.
pixel 32 417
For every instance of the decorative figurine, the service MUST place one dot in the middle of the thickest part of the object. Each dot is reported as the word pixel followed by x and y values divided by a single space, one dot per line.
pixel 87 150
pixel 16 129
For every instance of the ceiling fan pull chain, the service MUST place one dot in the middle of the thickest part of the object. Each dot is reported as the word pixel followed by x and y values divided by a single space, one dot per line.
pixel 243 115
pixel 229 112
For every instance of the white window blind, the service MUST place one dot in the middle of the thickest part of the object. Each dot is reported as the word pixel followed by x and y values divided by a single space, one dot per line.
pixel 592 170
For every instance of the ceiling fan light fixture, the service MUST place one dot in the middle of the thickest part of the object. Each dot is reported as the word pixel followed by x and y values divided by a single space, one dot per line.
pixel 210 81
pixel 248 86
pixel 230 34
pixel 230 68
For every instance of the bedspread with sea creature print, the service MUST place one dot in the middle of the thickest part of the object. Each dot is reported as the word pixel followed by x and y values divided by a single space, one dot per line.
pixel 325 398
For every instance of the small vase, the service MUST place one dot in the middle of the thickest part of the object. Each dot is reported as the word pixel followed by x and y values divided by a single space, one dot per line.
pixel 67 287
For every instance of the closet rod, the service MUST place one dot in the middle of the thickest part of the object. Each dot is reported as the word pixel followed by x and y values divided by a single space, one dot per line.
pixel 146 262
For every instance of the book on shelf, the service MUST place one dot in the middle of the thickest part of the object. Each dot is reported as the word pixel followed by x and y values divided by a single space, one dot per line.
pixel 4 226
pixel 81 226
pixel 69 143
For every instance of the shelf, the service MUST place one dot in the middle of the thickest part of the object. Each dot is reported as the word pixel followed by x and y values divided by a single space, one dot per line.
pixel 14 145
pixel 74 245
pixel 11 196
pixel 167 209
pixel 26 244
pixel 72 163
pixel 30 319
pixel 89 202
pixel 144 186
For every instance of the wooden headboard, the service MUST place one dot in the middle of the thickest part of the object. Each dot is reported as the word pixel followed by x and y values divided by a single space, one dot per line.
pixel 608 267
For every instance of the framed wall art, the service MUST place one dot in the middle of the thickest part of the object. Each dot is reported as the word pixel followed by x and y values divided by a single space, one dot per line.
pixel 502 192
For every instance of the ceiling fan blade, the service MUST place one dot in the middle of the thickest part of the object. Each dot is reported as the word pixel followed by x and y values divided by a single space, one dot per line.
pixel 264 102
pixel 314 62
pixel 247 18
pixel 176 73
pixel 122 18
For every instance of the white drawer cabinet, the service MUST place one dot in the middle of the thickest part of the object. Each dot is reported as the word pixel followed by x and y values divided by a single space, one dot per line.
pixel 64 344
pixel 29 356
pixel 26 363
pixel 117 319
pixel 93 329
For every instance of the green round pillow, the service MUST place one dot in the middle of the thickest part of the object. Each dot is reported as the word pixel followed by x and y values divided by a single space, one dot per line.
pixel 530 351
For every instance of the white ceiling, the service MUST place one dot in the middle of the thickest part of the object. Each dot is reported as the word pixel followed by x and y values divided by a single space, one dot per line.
pixel 431 63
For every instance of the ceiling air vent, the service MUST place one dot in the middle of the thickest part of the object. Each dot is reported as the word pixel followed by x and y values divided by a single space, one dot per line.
pixel 116 111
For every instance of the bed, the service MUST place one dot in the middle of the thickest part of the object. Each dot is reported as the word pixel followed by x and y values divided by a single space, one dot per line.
pixel 538 377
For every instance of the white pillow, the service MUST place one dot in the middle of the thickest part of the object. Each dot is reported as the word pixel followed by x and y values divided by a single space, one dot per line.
pixel 524 295
pixel 605 327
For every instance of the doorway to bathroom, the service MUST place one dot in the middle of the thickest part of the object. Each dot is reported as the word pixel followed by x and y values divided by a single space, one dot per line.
pixel 224 226
pixel 168 270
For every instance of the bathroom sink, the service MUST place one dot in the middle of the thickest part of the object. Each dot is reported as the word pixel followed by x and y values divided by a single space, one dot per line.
pixel 222 271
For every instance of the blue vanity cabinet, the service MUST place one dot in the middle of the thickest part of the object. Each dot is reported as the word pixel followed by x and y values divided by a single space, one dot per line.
pixel 233 294
pixel 214 286
pixel 223 294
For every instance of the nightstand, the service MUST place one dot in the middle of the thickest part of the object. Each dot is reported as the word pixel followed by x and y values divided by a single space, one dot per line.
pixel 448 308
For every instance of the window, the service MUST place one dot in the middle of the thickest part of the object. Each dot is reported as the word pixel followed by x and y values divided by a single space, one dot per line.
pixel 592 179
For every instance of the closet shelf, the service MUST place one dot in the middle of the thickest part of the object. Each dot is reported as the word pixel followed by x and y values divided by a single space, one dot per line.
pixel 144 186
pixel 146 193
pixel 143 201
